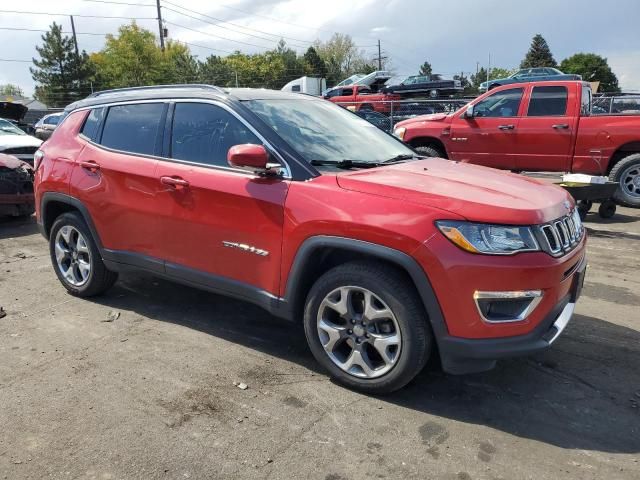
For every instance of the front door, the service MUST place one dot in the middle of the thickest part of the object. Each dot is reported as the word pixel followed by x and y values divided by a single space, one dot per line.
pixel 489 137
pixel 219 224
pixel 546 131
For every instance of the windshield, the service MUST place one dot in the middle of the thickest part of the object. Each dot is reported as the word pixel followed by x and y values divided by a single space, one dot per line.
pixel 8 128
pixel 322 131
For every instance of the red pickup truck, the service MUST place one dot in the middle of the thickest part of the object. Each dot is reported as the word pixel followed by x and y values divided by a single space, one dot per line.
pixel 537 126
pixel 361 97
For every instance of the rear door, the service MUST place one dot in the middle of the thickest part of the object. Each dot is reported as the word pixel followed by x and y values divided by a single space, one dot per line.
pixel 546 130
pixel 220 225
pixel 115 179
pixel 489 138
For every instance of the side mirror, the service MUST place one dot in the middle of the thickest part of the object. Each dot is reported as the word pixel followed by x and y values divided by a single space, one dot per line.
pixel 251 156
pixel 468 113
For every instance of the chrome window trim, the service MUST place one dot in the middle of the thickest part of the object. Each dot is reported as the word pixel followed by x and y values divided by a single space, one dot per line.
pixel 269 146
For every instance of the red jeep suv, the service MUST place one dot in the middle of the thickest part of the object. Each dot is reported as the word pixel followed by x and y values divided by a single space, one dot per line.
pixel 301 207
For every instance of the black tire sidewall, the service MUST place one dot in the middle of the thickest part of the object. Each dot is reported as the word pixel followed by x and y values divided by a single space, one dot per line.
pixel 615 175
pixel 416 337
pixel 74 220
pixel 429 151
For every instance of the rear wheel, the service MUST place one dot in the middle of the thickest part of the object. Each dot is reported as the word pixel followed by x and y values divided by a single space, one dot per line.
pixel 607 209
pixel 366 325
pixel 76 258
pixel 626 173
pixel 430 151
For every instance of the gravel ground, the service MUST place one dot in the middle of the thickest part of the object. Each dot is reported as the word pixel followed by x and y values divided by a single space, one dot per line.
pixel 151 394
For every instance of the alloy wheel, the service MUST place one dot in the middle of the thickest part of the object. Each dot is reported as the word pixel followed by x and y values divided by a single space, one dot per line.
pixel 630 180
pixel 359 332
pixel 72 255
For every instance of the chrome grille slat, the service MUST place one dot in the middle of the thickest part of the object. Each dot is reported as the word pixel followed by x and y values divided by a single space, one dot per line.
pixel 560 236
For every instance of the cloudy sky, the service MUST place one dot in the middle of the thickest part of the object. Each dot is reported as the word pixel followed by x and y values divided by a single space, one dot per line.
pixel 454 36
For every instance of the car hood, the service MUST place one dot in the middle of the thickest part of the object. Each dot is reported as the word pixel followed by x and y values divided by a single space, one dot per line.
pixel 433 117
pixel 13 141
pixel 9 161
pixel 474 192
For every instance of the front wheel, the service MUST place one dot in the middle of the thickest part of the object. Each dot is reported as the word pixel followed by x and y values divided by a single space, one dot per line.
pixel 626 173
pixel 366 325
pixel 430 151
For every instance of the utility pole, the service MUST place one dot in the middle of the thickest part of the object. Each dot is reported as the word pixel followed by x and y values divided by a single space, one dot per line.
pixel 160 29
pixel 379 56
pixel 75 38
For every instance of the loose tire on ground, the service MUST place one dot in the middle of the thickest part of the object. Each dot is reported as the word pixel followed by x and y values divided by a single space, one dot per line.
pixel 607 209
pixel 391 293
pixel 626 173
pixel 430 151
pixel 99 278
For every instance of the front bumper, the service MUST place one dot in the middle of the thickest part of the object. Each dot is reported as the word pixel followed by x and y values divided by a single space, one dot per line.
pixel 464 355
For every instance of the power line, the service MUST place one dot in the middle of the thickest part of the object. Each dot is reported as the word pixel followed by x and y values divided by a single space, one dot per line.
pixel 213 35
pixel 75 15
pixel 17 29
pixel 122 3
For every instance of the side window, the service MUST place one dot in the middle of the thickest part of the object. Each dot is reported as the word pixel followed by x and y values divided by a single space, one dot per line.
pixel 52 120
pixel 204 133
pixel 133 128
pixel 335 93
pixel 501 104
pixel 548 102
pixel 91 124
pixel 347 92
pixel 295 88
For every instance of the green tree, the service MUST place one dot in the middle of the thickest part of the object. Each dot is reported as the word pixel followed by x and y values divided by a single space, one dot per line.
pixel 61 76
pixel 341 57
pixel 11 90
pixel 130 59
pixel 499 72
pixel 425 69
pixel 313 64
pixel 539 54
pixel 293 65
pixel 478 78
pixel 178 65
pixel 216 70
pixel 593 68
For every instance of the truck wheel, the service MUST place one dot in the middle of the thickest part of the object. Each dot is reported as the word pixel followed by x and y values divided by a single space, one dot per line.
pixel 626 173
pixel 365 324
pixel 607 209
pixel 76 258
pixel 430 151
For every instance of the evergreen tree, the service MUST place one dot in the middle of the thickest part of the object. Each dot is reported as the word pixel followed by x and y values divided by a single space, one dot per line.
pixel 426 69
pixel 313 64
pixel 61 76
pixel 593 68
pixel 539 54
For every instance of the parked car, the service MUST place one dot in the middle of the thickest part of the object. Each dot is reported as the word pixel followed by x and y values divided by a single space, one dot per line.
pixel 381 121
pixel 16 187
pixel 46 125
pixel 360 97
pixel 286 201
pixel 539 74
pixel 433 85
pixel 537 126
pixel 14 141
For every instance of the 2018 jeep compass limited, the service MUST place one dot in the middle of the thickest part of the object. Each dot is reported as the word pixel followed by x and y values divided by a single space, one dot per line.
pixel 301 207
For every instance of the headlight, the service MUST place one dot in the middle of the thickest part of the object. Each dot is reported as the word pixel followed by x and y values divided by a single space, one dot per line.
pixel 399 132
pixel 489 239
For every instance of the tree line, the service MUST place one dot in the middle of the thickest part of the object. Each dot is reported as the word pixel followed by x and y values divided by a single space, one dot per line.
pixel 133 58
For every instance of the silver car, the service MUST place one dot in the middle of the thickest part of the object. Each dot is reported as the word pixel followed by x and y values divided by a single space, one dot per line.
pixel 14 141
pixel 47 124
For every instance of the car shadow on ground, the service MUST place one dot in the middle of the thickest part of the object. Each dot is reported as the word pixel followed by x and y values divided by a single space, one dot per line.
pixel 581 394
pixel 11 227
pixel 593 217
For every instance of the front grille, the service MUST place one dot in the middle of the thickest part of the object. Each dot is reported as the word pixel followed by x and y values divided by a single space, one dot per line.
pixel 15 181
pixel 561 235
pixel 20 150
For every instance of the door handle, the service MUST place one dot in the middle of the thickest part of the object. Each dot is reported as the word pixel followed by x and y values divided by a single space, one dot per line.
pixel 89 165
pixel 174 182
pixel 560 126
pixel 506 127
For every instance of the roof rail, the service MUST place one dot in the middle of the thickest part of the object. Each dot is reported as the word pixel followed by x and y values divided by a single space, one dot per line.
pixel 154 87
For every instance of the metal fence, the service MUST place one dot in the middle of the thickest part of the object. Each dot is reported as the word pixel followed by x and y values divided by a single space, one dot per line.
pixel 616 105
pixel 386 114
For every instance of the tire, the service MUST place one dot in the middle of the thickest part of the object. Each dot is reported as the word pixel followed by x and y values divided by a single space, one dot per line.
pixel 367 107
pixel 81 249
pixel 392 294
pixel 607 209
pixel 430 151
pixel 626 173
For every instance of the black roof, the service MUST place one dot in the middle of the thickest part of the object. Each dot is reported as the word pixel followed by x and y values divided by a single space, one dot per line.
pixel 182 91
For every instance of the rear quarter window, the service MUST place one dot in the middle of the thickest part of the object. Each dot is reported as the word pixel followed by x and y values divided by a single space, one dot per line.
pixel 91 124
pixel 549 101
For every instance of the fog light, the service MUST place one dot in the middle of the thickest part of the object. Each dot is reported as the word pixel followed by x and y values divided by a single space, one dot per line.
pixel 503 307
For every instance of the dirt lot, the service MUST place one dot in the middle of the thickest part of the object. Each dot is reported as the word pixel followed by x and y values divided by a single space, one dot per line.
pixel 151 394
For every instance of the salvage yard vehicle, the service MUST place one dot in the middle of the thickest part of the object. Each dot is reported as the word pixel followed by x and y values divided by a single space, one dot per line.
pixel 47 124
pixel 538 74
pixel 361 97
pixel 312 213
pixel 537 126
pixel 16 187
pixel 433 85
pixel 14 141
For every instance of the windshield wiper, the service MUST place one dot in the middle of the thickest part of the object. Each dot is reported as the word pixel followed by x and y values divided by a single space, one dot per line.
pixel 345 163
pixel 403 157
